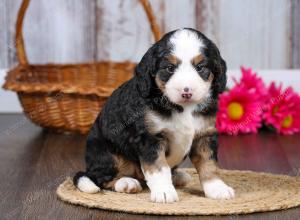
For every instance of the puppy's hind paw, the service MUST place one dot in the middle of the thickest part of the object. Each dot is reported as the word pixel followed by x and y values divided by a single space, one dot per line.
pixel 86 185
pixel 217 189
pixel 128 185
pixel 180 178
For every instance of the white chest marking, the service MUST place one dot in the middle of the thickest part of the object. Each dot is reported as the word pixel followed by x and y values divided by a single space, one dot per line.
pixel 180 129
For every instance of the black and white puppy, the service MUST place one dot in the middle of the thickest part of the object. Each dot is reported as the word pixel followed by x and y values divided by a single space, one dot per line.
pixel 155 120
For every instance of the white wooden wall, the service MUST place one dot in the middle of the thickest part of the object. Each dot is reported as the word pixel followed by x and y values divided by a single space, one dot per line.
pixel 259 33
pixel 253 33
pixel 263 34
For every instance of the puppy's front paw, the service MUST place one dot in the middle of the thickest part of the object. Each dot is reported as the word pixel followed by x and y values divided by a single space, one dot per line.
pixel 164 194
pixel 217 189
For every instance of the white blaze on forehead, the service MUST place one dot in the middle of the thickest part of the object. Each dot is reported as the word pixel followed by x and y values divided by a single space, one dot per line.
pixel 186 44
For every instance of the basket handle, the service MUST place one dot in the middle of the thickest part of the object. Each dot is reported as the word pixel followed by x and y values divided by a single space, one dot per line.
pixel 152 19
pixel 21 53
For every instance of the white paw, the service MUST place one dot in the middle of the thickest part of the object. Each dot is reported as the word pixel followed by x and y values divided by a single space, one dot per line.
pixel 128 185
pixel 180 178
pixel 217 189
pixel 84 184
pixel 164 194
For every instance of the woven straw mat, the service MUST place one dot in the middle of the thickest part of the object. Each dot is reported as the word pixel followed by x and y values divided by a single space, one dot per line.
pixel 255 192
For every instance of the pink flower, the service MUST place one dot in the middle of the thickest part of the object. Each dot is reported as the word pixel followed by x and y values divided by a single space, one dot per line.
pixel 283 110
pixel 250 80
pixel 239 111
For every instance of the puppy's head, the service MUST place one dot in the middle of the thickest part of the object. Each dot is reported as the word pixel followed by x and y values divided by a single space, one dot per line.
pixel 184 66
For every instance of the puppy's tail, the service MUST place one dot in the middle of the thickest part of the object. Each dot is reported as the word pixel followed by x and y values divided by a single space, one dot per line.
pixel 84 183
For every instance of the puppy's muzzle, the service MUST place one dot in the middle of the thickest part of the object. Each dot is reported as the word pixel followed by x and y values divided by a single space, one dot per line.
pixel 186 93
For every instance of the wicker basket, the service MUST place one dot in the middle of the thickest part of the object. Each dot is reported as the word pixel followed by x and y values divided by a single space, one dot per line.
pixel 66 97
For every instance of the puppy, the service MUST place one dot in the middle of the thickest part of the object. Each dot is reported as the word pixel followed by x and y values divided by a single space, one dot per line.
pixel 152 122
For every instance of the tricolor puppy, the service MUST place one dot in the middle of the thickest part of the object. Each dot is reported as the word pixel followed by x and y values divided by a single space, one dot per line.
pixel 154 121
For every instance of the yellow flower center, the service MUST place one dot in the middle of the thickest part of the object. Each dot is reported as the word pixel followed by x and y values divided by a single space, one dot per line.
pixel 287 121
pixel 235 110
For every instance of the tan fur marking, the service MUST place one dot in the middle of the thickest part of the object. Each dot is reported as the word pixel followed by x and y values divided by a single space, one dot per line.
pixel 173 59
pixel 128 168
pixel 211 77
pixel 110 185
pixel 125 168
pixel 160 84
pixel 201 158
pixel 208 132
pixel 197 59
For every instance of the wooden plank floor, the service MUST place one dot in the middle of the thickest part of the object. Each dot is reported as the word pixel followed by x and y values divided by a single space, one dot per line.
pixel 33 163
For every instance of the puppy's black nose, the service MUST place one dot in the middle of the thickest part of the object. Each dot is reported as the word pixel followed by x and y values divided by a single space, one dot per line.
pixel 186 89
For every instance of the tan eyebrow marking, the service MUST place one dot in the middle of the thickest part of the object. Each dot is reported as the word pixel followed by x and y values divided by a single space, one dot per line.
pixel 173 59
pixel 197 59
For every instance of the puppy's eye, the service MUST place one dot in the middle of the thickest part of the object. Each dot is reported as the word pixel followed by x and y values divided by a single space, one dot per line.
pixel 203 72
pixel 199 68
pixel 170 68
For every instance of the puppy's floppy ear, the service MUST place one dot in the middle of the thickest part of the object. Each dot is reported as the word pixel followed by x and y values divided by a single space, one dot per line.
pixel 145 71
pixel 220 78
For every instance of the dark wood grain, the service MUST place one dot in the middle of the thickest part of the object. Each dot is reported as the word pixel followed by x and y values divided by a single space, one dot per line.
pixel 33 162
